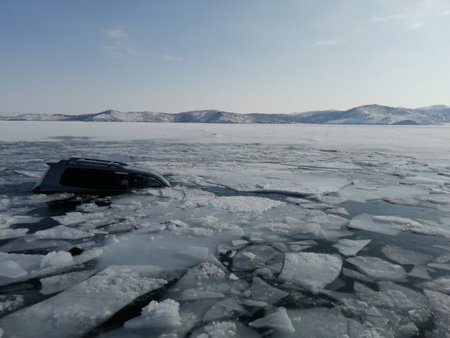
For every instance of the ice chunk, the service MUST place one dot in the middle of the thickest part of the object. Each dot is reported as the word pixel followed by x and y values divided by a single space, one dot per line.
pixel 255 256
pixel 406 302
pixel 406 224
pixel 9 303
pixel 62 232
pixel 442 266
pixel 224 329
pixel 11 269
pixel 28 243
pixel 7 220
pixel 366 222
pixel 278 320
pixel 301 245
pixel 440 305
pixel 36 266
pixel 81 308
pixel 316 322
pixel 12 233
pixel 378 269
pixel 349 247
pixel 311 271
pixel 162 315
pixel 244 204
pixel 198 294
pixel 419 271
pixel 76 217
pixel 199 252
pixel 403 256
pixel 223 309
pixel 262 291
pixel 361 191
pixel 319 225
pixel 58 283
pixel 206 281
pixel 356 275
pixel 239 242
pixel 439 284
pixel 56 258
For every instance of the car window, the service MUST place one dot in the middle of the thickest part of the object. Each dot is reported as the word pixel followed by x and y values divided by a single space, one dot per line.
pixel 94 178
pixel 136 181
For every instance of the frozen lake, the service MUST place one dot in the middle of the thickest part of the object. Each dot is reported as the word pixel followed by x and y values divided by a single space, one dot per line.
pixel 267 231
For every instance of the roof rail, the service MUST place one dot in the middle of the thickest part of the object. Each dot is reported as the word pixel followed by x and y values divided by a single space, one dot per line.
pixel 95 161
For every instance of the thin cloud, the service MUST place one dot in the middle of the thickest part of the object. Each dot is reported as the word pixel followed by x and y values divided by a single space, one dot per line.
pixel 417 25
pixel 115 33
pixel 391 17
pixel 172 58
pixel 331 42
pixel 117 43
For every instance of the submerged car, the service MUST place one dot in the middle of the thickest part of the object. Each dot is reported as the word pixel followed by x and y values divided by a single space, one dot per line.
pixel 91 176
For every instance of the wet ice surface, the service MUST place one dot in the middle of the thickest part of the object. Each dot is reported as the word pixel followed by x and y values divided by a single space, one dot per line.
pixel 257 237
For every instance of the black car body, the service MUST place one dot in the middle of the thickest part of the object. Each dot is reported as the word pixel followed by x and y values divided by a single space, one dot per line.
pixel 91 176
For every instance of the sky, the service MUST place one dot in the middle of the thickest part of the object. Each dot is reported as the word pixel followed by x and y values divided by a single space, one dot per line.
pixel 266 56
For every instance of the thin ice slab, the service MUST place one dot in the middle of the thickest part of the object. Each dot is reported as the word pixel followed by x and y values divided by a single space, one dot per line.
pixel 78 310
pixel 157 315
pixel 440 305
pixel 404 256
pixel 311 271
pixel 349 247
pixel 378 269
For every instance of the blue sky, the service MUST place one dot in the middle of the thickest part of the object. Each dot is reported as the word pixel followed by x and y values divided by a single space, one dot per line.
pixel 65 56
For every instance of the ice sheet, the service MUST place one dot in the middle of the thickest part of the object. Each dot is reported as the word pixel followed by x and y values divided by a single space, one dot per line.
pixel 79 309
pixel 242 198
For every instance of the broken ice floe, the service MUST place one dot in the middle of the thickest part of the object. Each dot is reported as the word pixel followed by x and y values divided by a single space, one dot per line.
pixel 58 283
pixel 225 309
pixel 349 247
pixel 441 284
pixel 404 256
pixel 20 267
pixel 393 311
pixel 378 269
pixel 81 308
pixel 224 329
pixel 243 204
pixel 319 322
pixel 9 303
pixel 310 271
pixel 440 305
pixel 256 256
pixel 392 225
pixel 262 291
pixel 419 271
pixel 157 315
pixel 278 320
pixel 12 233
pixel 62 232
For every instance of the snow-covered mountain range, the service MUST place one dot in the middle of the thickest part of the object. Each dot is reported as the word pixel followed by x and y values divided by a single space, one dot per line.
pixel 368 114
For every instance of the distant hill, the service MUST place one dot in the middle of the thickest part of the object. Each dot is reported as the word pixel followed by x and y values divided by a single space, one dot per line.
pixel 368 114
